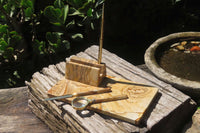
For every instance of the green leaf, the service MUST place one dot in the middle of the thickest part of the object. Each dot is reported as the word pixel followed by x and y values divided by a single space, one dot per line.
pixel 3 45
pixel 16 37
pixel 39 45
pixel 80 24
pixel 2 17
pixel 15 73
pixel 77 37
pixel 8 53
pixel 28 12
pixel 177 1
pixel 92 26
pixel 66 10
pixel 75 3
pixel 11 49
pixel 56 23
pixel 71 24
pixel 11 82
pixel 6 8
pixel 97 14
pixel 26 3
pixel 89 12
pixel 99 2
pixel 53 38
pixel 13 33
pixel 3 28
pixel 5 37
pixel 74 12
pixel 53 14
pixel 66 44
pixel 58 4
pixel 40 48
pixel 85 7
pixel 49 36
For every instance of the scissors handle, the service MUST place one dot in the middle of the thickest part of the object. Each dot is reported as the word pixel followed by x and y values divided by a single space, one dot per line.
pixel 92 92
pixel 114 98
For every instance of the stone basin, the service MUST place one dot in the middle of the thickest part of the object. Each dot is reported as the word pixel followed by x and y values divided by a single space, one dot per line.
pixel 189 87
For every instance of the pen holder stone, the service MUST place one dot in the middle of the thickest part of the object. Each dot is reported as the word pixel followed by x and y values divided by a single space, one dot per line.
pixel 85 71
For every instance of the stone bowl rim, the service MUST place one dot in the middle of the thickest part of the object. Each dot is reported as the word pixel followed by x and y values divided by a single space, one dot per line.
pixel 151 63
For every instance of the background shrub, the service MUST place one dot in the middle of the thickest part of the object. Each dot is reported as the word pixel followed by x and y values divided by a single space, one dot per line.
pixel 34 33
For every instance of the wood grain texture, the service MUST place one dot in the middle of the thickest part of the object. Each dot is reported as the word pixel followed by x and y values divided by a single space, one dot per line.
pixel 85 71
pixel 131 110
pixel 15 115
pixel 166 114
pixel 90 62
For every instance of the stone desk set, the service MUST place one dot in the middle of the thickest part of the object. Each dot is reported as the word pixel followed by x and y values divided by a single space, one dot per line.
pixel 126 98
pixel 168 110
pixel 118 98
pixel 115 97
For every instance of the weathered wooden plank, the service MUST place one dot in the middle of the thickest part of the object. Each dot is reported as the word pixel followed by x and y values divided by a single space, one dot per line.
pixel 61 67
pixel 53 121
pixel 52 70
pixel 144 68
pixel 169 103
pixel 38 85
pixel 15 116
pixel 51 110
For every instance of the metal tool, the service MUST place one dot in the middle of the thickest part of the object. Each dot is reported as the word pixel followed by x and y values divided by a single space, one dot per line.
pixel 80 103
pixel 80 94
pixel 101 37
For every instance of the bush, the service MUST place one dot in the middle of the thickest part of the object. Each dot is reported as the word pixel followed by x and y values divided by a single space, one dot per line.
pixel 33 29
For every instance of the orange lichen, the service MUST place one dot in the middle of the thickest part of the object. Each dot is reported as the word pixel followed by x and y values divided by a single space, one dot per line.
pixel 195 48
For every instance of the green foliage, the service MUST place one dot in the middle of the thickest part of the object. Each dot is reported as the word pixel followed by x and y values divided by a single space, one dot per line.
pixel 33 28
pixel 79 13
pixel 66 22
pixel 8 40
pixel 54 15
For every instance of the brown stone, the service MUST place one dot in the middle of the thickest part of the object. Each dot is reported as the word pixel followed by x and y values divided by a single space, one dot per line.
pixel 183 43
pixel 180 47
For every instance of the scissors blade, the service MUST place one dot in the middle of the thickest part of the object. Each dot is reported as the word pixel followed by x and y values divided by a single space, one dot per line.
pixel 59 97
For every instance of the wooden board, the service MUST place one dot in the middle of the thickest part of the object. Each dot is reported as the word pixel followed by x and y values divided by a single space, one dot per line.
pixel 15 115
pixel 132 109
pixel 167 114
